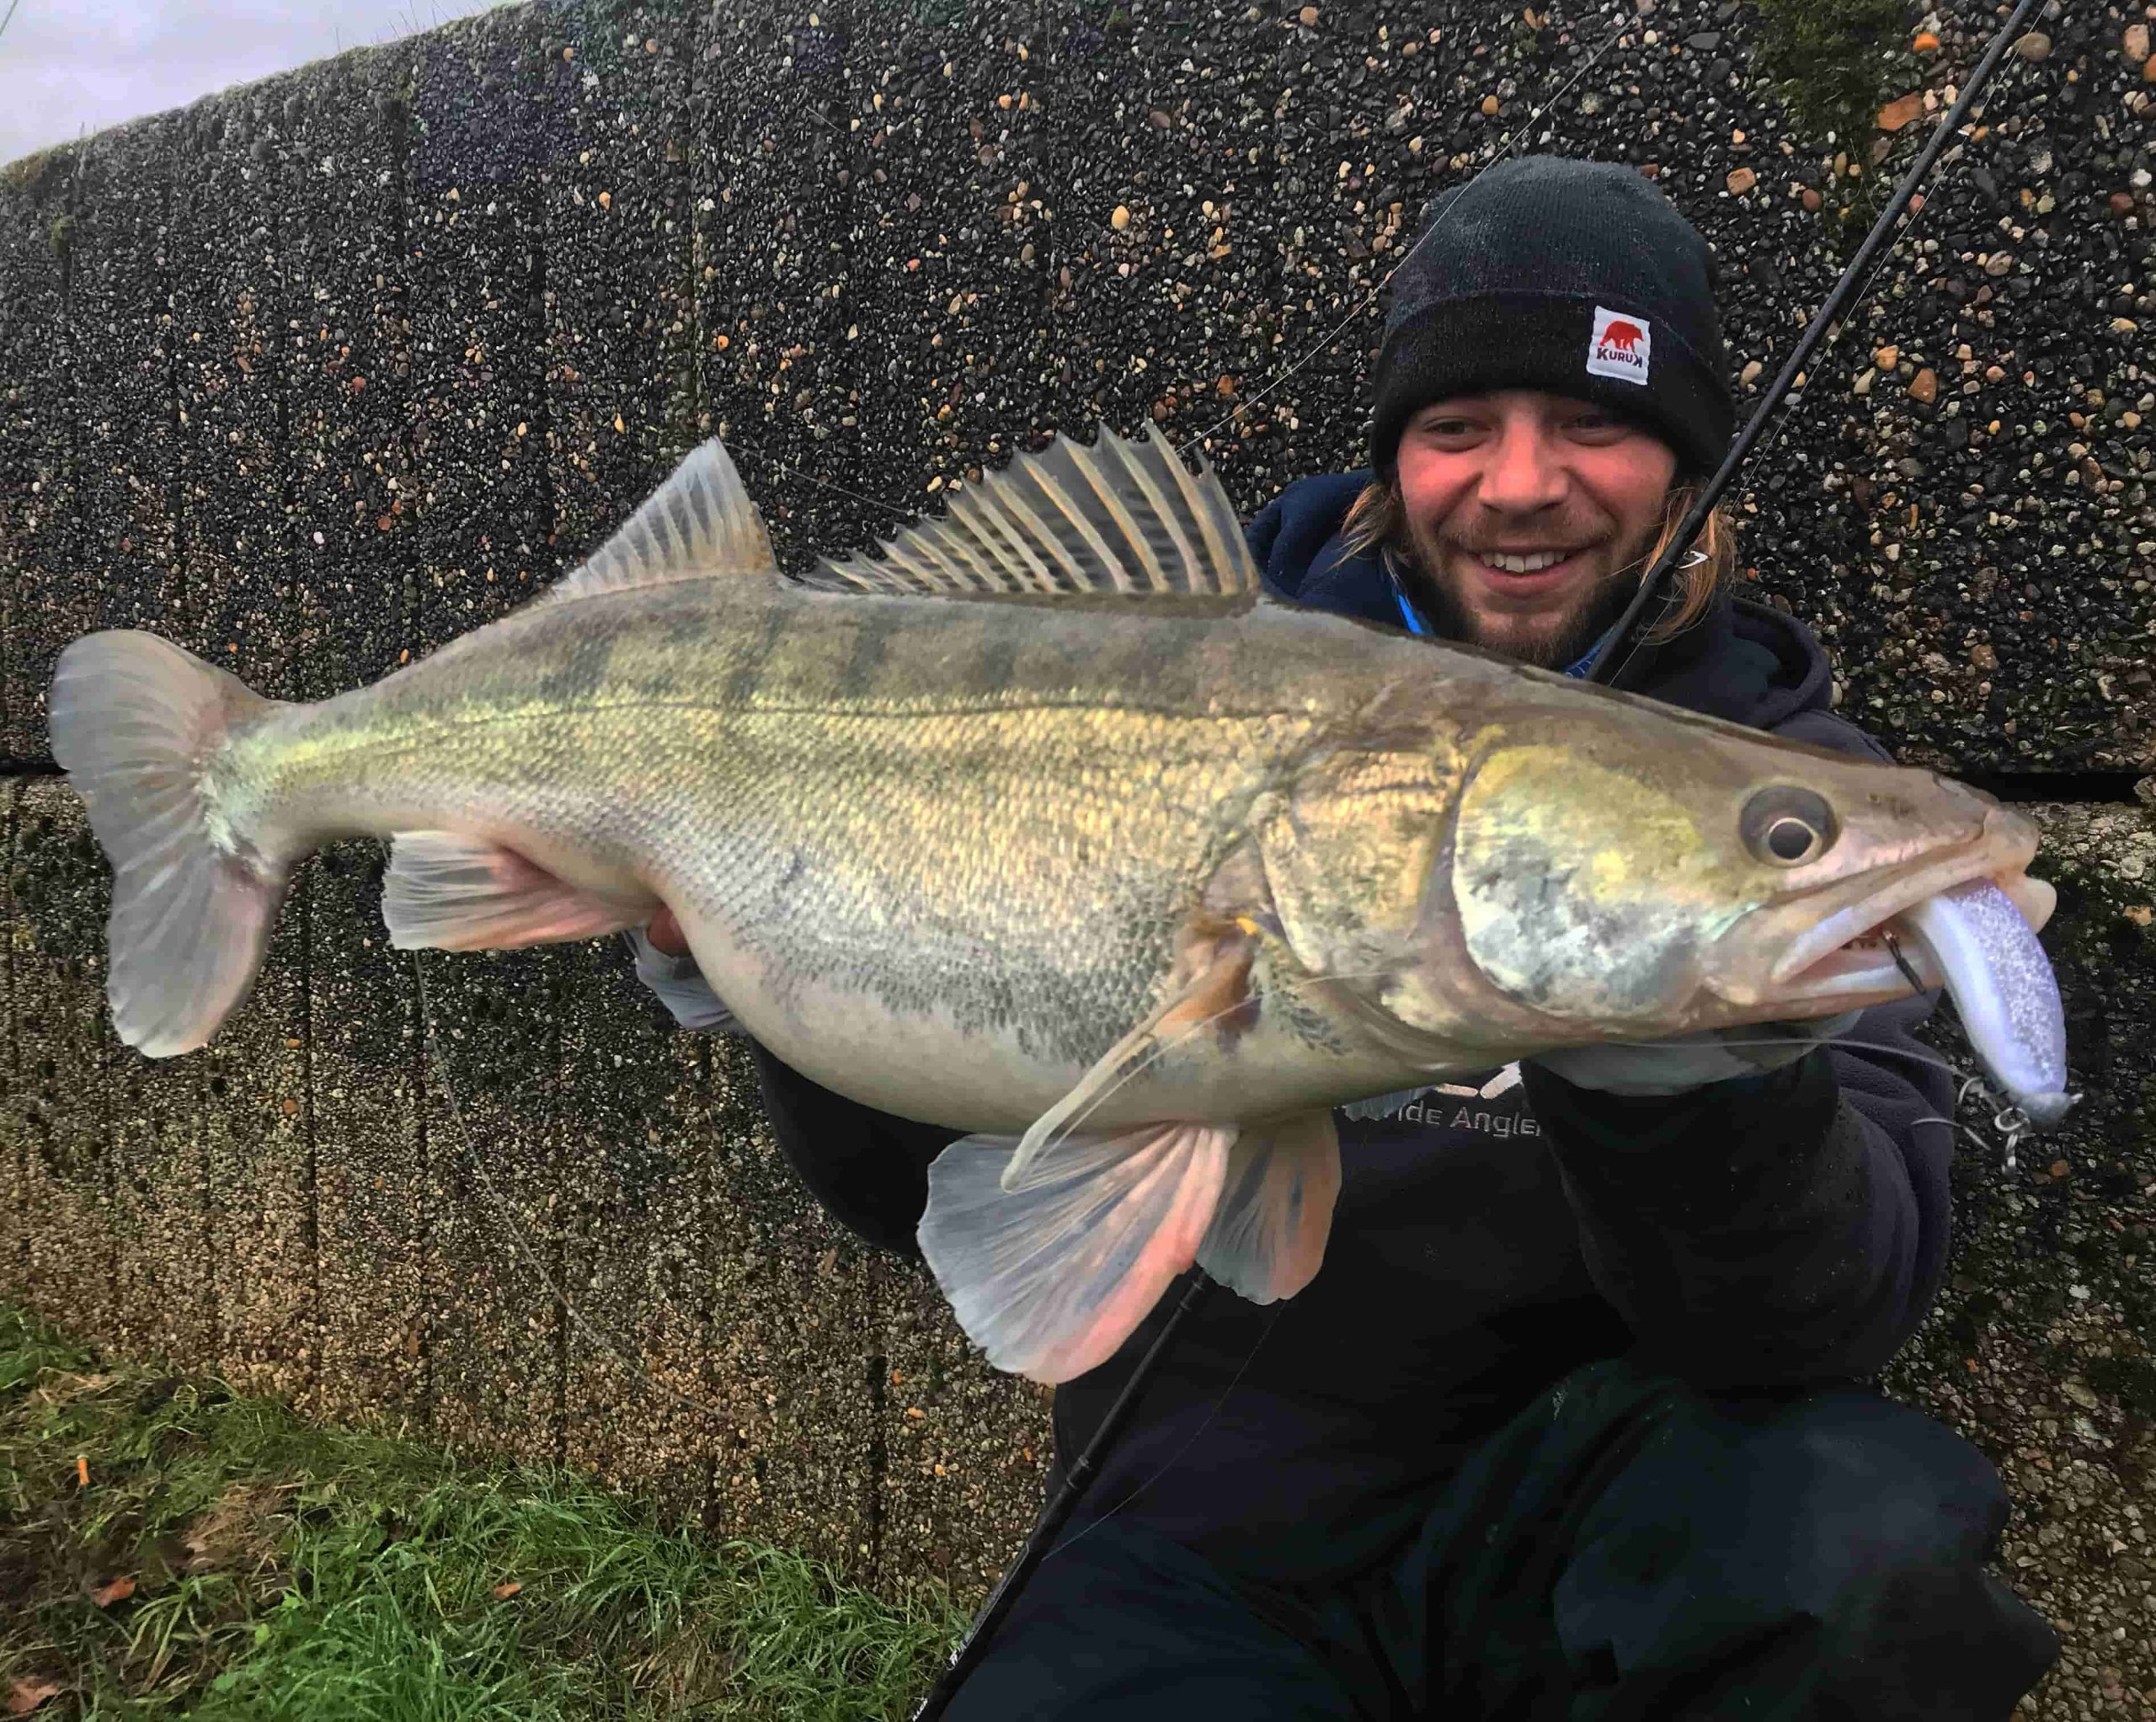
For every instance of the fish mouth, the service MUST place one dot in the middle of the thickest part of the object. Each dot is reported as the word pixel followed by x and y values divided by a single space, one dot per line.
pixel 1847 949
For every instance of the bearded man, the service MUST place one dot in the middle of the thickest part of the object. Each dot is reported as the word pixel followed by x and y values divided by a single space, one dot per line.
pixel 1572 1422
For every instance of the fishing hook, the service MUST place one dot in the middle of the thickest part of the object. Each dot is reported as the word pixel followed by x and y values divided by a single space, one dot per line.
pixel 1901 962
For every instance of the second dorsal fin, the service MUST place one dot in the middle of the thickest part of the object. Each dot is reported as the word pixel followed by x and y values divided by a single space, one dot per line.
pixel 698 524
pixel 1121 518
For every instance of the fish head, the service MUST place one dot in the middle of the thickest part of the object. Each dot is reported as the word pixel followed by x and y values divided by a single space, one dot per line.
pixel 1628 868
pixel 1596 866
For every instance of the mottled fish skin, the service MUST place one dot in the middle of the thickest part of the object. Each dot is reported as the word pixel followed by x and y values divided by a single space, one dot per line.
pixel 987 819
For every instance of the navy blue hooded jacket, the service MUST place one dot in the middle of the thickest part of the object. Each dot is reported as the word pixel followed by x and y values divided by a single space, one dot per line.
pixel 1499 1232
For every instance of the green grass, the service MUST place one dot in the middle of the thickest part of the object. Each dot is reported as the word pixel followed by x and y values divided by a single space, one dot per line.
pixel 1834 64
pixel 284 1571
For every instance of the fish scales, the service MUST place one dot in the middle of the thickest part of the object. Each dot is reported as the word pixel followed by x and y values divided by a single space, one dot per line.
pixel 1110 861
pixel 1044 792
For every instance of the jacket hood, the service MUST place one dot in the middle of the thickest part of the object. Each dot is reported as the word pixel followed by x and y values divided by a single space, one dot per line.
pixel 1744 661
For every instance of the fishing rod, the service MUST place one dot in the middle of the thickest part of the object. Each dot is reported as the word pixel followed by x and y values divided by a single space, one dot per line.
pixel 1616 655
pixel 974 1645
pixel 1622 648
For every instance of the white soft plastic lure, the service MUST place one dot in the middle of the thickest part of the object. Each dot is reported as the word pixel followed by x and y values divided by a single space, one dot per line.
pixel 2003 989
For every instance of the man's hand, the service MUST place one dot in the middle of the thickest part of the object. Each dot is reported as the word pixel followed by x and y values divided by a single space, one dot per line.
pixel 664 933
pixel 664 965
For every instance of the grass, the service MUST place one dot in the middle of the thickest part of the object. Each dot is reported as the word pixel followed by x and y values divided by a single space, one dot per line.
pixel 275 1570
pixel 1834 63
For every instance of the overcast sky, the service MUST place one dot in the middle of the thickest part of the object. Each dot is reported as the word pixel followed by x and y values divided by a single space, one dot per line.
pixel 74 66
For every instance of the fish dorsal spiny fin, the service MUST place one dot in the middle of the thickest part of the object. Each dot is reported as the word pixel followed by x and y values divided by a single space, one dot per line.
pixel 699 524
pixel 1121 519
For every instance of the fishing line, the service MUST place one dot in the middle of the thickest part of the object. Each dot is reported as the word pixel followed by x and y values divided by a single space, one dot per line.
pixel 1827 322
pixel 1175 1458
pixel 1511 142
pixel 1917 988
pixel 2007 1119
pixel 757 454
pixel 577 1318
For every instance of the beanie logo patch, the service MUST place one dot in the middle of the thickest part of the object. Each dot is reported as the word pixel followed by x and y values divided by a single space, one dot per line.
pixel 1622 346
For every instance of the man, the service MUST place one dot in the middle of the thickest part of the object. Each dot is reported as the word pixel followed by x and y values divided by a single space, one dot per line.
pixel 1566 1426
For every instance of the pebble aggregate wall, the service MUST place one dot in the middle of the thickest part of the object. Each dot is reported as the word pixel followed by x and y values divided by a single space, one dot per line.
pixel 318 374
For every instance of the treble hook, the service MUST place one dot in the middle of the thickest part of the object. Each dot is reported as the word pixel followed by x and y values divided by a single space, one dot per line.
pixel 2013 1123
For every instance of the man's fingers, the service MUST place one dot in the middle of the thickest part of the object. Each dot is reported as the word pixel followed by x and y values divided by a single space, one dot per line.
pixel 664 933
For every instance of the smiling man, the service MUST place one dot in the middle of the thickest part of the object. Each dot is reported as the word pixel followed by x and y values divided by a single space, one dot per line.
pixel 1551 387
pixel 1570 1424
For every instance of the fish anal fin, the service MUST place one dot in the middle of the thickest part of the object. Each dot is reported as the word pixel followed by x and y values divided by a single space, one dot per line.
pixel 1121 519
pixel 1049 1281
pixel 699 524
pixel 1267 1240
pixel 448 892
pixel 1207 990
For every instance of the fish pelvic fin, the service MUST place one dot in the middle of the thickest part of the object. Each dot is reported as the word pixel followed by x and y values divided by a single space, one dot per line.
pixel 1051 1280
pixel 1121 519
pixel 1267 1240
pixel 699 524
pixel 135 722
pixel 448 892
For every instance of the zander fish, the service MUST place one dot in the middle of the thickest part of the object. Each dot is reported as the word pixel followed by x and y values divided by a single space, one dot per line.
pixel 1048 826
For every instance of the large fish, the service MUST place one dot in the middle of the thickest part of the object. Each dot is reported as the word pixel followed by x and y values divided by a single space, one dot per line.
pixel 1057 832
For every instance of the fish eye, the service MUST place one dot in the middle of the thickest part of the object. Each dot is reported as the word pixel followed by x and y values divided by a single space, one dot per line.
pixel 1786 826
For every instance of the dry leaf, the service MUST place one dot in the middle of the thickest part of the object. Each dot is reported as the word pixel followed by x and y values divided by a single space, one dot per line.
pixel 503 1593
pixel 1899 112
pixel 119 1591
pixel 24 1696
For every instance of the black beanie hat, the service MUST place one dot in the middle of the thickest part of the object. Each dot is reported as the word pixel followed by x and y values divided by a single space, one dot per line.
pixel 1578 278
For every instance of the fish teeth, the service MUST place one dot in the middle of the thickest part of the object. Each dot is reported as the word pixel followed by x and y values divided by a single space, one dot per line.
pixel 1531 564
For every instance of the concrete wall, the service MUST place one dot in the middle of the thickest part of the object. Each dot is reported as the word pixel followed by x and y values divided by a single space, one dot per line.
pixel 326 372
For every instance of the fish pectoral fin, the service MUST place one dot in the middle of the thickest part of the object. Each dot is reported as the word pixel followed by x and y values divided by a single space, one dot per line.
pixel 1210 988
pixel 447 892
pixel 1121 519
pixel 1268 1237
pixel 1050 1281
pixel 698 524
pixel 1386 1106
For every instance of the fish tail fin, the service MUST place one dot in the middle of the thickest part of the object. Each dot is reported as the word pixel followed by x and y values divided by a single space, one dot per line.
pixel 133 720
